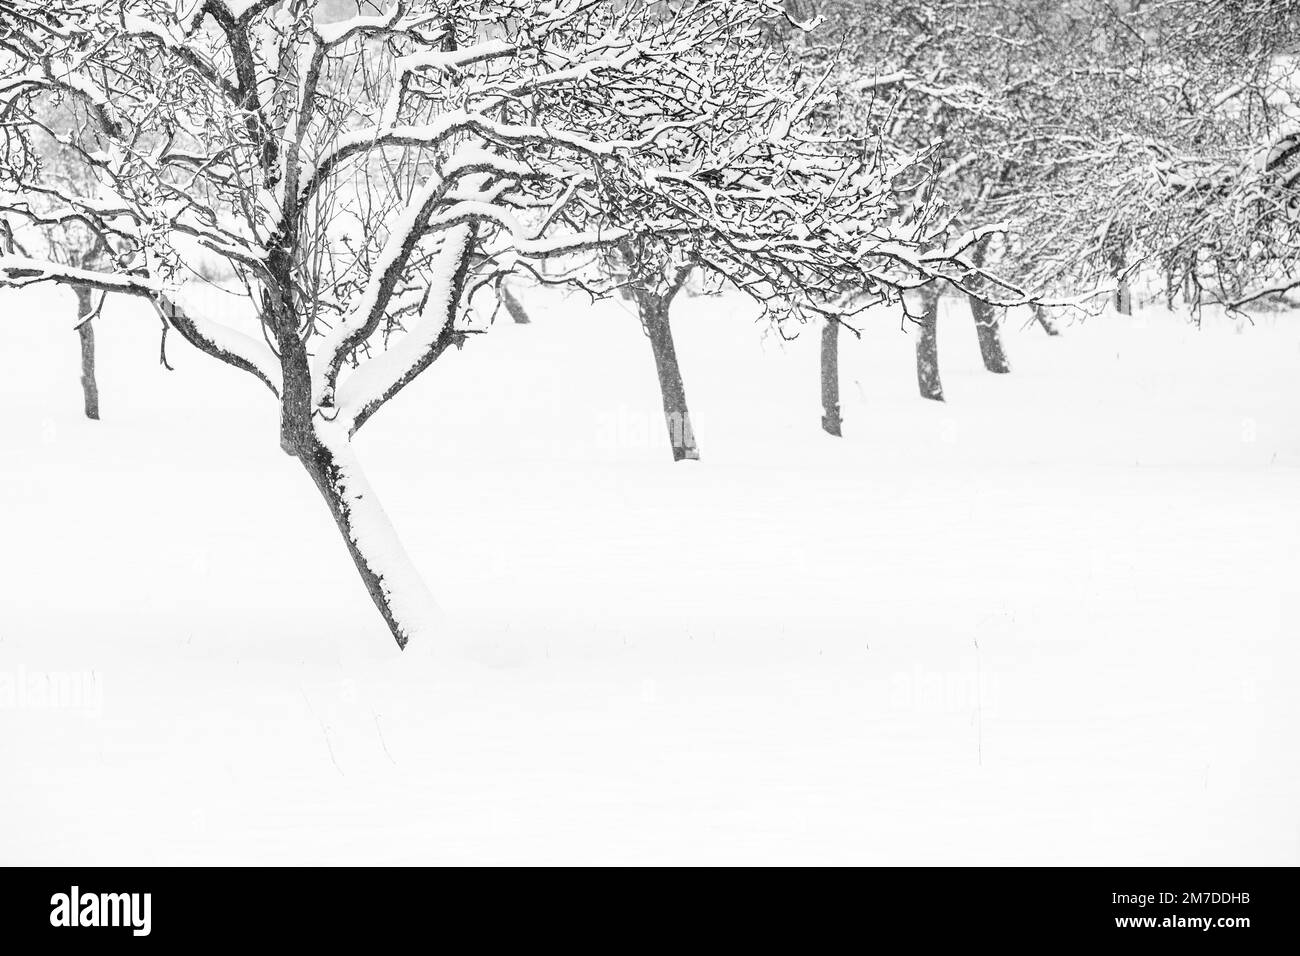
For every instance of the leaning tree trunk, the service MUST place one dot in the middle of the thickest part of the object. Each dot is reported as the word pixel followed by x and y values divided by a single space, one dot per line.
pixel 986 323
pixel 385 568
pixel 514 306
pixel 927 347
pixel 1045 320
pixel 832 422
pixel 989 331
pixel 654 319
pixel 86 331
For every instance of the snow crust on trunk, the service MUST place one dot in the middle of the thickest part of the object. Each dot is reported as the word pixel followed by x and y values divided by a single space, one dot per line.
pixel 412 606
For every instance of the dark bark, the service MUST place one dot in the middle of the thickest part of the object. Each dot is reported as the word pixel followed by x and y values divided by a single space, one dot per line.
pixel 832 422
pixel 1123 295
pixel 989 330
pixel 295 397
pixel 86 332
pixel 514 306
pixel 654 319
pixel 1045 320
pixel 1123 298
pixel 987 326
pixel 325 471
pixel 927 347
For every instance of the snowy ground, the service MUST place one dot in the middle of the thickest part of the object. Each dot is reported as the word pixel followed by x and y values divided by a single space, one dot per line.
pixel 1052 621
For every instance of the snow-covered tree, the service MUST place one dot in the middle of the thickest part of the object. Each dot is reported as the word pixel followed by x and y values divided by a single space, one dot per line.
pixel 364 178
pixel 1160 138
pixel 64 240
pixel 934 75
pixel 1110 138
pixel 649 277
pixel 1219 216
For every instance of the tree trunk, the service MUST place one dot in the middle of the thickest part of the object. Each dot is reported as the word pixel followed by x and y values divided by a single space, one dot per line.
pixel 1123 295
pixel 927 347
pixel 385 568
pixel 986 322
pixel 1043 319
pixel 832 422
pixel 654 319
pixel 86 331
pixel 1123 298
pixel 514 306
pixel 989 331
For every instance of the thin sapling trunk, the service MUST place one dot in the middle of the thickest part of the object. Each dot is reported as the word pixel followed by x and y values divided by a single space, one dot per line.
pixel 832 421
pixel 86 332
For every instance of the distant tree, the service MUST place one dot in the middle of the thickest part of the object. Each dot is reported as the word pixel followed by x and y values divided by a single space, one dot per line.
pixel 934 76
pixel 67 240
pixel 651 279
pixel 832 416
pixel 514 308
pixel 1218 212
pixel 1045 320
pixel 88 307
pixel 1163 141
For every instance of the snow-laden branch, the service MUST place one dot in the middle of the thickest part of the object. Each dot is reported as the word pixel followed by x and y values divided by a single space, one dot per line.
pixel 364 391
pixel 448 125
pixel 208 335
pixel 218 340
pixel 370 307
pixel 20 271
